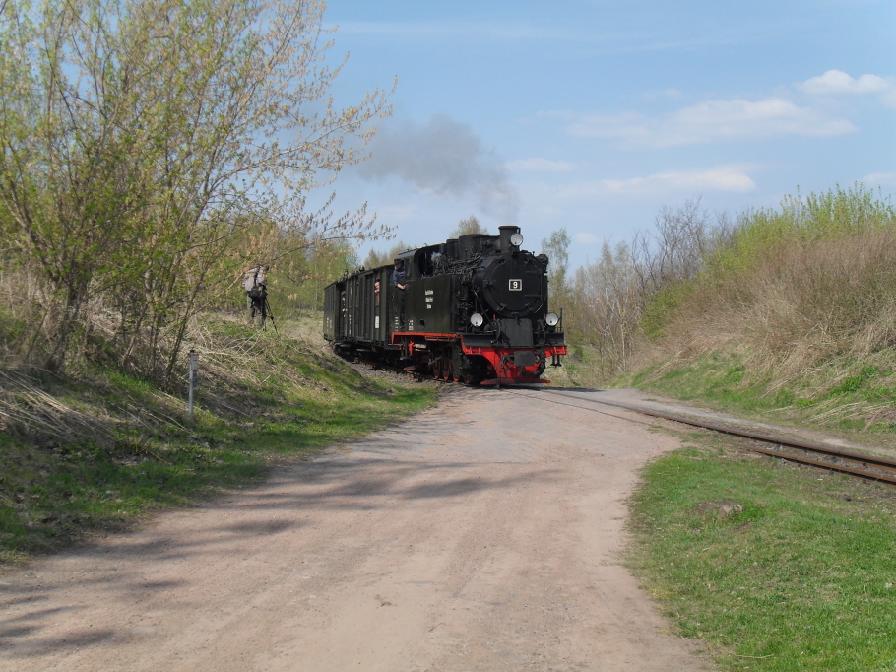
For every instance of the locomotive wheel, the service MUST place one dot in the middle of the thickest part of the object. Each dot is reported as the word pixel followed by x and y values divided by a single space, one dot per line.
pixel 464 368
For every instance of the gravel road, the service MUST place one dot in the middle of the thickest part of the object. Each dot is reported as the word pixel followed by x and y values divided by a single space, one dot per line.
pixel 484 534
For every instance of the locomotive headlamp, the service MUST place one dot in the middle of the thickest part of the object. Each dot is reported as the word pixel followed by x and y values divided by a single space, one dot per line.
pixel 551 319
pixel 476 319
pixel 516 239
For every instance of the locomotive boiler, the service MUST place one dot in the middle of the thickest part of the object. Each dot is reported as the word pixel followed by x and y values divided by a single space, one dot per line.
pixel 471 309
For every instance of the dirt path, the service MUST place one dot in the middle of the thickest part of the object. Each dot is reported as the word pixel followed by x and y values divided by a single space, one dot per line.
pixel 483 535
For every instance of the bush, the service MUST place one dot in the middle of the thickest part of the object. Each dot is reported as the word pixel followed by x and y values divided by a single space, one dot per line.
pixel 814 280
pixel 784 288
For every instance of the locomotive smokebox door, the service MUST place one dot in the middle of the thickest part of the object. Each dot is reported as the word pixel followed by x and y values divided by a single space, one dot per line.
pixel 515 285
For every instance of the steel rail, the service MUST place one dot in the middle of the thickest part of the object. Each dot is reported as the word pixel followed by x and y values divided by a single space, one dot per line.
pixel 791 448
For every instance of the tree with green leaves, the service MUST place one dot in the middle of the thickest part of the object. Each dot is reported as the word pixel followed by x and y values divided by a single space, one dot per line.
pixel 139 137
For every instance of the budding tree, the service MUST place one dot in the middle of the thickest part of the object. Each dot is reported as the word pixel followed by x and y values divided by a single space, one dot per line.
pixel 138 138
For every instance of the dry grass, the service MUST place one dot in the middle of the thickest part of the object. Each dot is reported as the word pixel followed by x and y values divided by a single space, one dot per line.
pixel 27 408
pixel 805 303
pixel 96 451
pixel 235 363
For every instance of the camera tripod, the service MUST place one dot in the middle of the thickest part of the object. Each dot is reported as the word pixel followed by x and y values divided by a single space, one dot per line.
pixel 267 312
pixel 264 308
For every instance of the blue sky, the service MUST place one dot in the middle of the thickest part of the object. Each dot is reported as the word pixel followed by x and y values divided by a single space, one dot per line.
pixel 594 115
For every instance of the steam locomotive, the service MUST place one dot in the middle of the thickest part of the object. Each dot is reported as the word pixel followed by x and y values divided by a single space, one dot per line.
pixel 471 309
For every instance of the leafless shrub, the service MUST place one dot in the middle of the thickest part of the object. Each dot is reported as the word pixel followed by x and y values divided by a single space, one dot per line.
pixel 608 303
pixel 676 247
pixel 609 296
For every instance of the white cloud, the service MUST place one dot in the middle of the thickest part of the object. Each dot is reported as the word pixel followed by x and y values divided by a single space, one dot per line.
pixel 721 178
pixel 834 82
pixel 729 178
pixel 585 238
pixel 539 165
pixel 882 179
pixel 713 120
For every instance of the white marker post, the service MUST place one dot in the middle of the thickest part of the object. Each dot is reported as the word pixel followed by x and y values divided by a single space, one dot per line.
pixel 192 378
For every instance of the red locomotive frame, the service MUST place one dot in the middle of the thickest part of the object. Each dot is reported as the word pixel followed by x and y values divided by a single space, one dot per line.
pixel 501 359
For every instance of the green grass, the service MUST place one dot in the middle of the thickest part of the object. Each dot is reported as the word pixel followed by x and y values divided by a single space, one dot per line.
pixel 799 575
pixel 55 491
pixel 844 395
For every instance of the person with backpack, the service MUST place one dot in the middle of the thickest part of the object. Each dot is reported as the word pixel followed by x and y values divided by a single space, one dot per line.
pixel 255 284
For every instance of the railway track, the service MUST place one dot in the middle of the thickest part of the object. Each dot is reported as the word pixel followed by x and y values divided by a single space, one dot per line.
pixel 768 441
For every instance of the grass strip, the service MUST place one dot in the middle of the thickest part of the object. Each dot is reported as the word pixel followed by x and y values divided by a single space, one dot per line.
pixel 846 395
pixel 776 567
pixel 289 400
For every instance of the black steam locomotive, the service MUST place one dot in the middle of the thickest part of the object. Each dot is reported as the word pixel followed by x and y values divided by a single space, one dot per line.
pixel 471 309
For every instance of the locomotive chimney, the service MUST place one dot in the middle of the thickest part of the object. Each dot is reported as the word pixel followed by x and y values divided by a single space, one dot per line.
pixel 505 232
